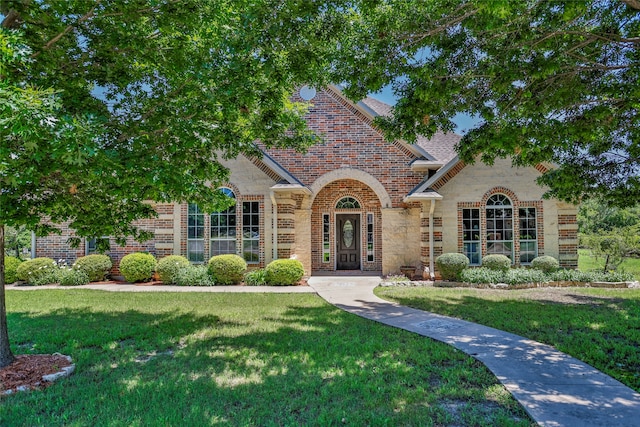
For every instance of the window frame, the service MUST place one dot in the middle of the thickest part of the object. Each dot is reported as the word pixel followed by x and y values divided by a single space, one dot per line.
pixel 501 213
pixel 475 256
pixel 230 216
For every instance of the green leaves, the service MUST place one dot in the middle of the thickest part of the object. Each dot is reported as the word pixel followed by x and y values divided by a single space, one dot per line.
pixel 551 82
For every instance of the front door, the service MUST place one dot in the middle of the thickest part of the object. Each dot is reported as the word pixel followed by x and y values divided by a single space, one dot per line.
pixel 348 241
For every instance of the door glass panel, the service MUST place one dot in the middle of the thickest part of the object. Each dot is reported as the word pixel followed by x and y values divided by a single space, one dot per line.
pixel 347 233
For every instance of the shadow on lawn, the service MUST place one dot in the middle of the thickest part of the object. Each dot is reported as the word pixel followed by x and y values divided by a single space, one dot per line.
pixel 309 365
pixel 602 331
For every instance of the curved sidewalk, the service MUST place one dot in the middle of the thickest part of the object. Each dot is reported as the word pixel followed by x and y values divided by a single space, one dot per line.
pixel 554 388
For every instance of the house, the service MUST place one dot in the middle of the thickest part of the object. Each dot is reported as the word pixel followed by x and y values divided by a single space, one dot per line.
pixel 358 202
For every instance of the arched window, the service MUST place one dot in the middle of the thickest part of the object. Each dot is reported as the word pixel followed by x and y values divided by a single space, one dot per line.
pixel 348 203
pixel 499 212
pixel 223 228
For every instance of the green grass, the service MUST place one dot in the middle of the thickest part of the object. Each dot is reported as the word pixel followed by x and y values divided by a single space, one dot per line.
pixel 240 360
pixel 598 326
pixel 587 262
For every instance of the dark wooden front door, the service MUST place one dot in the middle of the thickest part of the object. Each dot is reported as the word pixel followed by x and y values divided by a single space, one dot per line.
pixel 348 241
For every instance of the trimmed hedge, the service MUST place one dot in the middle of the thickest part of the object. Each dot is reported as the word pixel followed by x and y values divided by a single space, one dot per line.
pixel 284 272
pixel 450 265
pixel 496 262
pixel 169 266
pixel 37 270
pixel 545 263
pixel 11 265
pixel 138 267
pixel 227 269
pixel 95 266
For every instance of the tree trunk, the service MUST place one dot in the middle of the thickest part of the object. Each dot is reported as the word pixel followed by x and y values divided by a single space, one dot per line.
pixel 6 357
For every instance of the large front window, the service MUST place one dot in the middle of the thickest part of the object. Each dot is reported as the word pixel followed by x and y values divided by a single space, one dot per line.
pixel 227 232
pixel 500 226
pixel 528 235
pixel 223 229
pixel 471 235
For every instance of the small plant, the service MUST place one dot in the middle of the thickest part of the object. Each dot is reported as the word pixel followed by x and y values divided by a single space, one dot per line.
pixel 37 271
pixel 257 277
pixel 193 275
pixel 284 272
pixel 496 262
pixel 10 269
pixel 138 267
pixel 72 277
pixel 95 266
pixel 545 263
pixel 169 266
pixel 227 269
pixel 450 265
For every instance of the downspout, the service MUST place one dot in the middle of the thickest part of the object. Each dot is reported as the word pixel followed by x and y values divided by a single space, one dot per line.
pixel 274 225
pixel 33 244
pixel 431 263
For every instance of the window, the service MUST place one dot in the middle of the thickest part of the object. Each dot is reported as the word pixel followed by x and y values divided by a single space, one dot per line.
pixel 326 239
pixel 369 237
pixel 195 234
pixel 223 229
pixel 94 245
pixel 528 235
pixel 251 232
pixel 348 203
pixel 500 226
pixel 471 235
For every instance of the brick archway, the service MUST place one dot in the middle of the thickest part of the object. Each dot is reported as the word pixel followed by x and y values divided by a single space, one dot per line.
pixel 323 224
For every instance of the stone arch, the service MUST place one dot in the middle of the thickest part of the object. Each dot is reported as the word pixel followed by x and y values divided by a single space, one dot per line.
pixel 348 173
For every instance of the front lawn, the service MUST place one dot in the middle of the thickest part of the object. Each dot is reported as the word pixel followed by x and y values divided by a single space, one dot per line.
pixel 598 326
pixel 240 359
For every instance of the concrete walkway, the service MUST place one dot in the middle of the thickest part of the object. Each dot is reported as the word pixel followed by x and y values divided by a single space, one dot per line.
pixel 554 388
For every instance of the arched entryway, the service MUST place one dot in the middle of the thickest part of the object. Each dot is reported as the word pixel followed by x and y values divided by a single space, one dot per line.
pixel 346 227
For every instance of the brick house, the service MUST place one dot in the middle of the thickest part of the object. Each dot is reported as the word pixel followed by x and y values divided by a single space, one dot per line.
pixel 357 202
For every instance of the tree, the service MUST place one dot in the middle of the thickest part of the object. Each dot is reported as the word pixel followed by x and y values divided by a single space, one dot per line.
pixel 550 81
pixel 16 239
pixel 107 105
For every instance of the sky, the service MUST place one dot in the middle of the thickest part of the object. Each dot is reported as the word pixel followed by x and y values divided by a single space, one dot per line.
pixel 464 122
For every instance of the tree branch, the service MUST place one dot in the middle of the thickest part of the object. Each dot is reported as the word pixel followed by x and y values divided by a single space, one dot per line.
pixel 67 30
pixel 634 4
pixel 11 19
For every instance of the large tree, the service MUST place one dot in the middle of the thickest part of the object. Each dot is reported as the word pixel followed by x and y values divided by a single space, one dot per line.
pixel 548 81
pixel 108 104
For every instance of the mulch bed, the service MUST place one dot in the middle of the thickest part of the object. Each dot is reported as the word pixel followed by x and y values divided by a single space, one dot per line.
pixel 28 369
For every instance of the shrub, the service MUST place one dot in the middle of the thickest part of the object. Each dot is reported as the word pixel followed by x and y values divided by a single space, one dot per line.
pixel 256 277
pixel 515 276
pixel 37 270
pixel 72 277
pixel 169 266
pixel 95 266
pixel 10 269
pixel 193 275
pixel 545 263
pixel 590 276
pixel 450 265
pixel 138 267
pixel 284 272
pixel 227 269
pixel 496 262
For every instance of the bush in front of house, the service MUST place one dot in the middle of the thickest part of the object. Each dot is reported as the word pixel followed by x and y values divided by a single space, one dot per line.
pixel 513 276
pixel 169 266
pixel 590 276
pixel 38 271
pixel 72 277
pixel 284 272
pixel 193 275
pixel 545 263
pixel 11 264
pixel 227 269
pixel 450 265
pixel 95 266
pixel 257 277
pixel 496 262
pixel 138 267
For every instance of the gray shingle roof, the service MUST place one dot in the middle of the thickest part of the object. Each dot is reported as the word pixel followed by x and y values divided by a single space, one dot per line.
pixel 440 146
